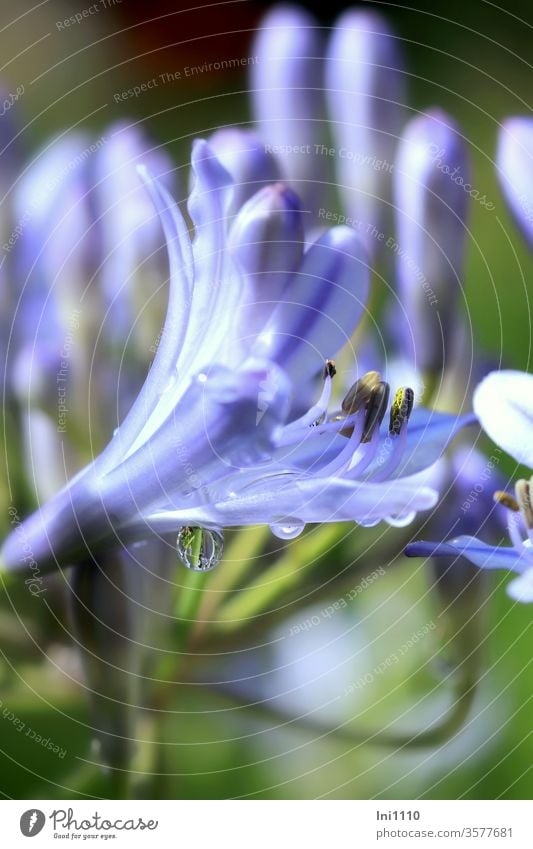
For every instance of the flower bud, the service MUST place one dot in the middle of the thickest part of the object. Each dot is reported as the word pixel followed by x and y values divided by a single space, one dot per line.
pixel 515 171
pixel 431 184
pixel 286 87
pixel 365 86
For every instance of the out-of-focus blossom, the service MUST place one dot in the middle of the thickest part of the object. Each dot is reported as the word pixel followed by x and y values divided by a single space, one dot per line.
pixel 209 442
pixel 84 248
pixel 365 90
pixel 504 407
pixel 431 204
pixel 287 93
pixel 127 234
pixel 514 161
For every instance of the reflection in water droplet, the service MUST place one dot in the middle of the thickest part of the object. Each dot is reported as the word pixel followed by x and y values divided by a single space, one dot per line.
pixel 200 549
pixel 288 529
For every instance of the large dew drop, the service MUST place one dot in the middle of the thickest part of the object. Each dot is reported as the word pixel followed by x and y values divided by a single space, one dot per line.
pixel 288 529
pixel 200 549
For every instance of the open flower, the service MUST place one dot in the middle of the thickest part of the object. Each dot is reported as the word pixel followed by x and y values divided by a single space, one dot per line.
pixel 211 440
pixel 503 403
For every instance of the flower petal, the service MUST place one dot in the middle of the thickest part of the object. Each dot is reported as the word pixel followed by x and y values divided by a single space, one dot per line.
pixel 225 422
pixel 143 416
pixel 428 434
pixel 521 588
pixel 320 307
pixel 481 554
pixel 244 155
pixel 503 402
pixel 314 500
pixel 267 241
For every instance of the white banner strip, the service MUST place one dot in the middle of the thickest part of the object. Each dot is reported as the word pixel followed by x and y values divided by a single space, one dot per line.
pixel 264 824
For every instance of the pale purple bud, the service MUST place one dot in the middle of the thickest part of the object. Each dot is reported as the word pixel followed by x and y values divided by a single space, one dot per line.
pixel 287 95
pixel 129 232
pixel 51 236
pixel 431 187
pixel 365 85
pixel 514 160
pixel 246 158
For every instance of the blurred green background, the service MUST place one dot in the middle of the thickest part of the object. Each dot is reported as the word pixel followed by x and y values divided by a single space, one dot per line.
pixel 474 60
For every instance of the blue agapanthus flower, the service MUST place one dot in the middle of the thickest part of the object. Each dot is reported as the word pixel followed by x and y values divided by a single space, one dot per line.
pixel 503 402
pixel 217 436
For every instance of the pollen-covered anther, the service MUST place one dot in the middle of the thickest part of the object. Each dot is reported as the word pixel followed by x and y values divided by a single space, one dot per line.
pixel 376 409
pixel 506 500
pixel 330 369
pixel 523 496
pixel 401 409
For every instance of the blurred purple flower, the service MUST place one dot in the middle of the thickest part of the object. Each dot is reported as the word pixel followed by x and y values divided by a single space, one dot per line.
pixel 83 233
pixel 503 404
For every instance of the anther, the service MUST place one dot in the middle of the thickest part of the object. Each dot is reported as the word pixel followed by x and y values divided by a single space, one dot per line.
pixel 523 497
pixel 376 409
pixel 401 409
pixel 506 500
pixel 330 369
pixel 359 394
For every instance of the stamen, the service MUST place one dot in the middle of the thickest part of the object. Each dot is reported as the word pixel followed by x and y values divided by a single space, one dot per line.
pixel 401 409
pixel 357 398
pixel 359 394
pixel 363 457
pixel 514 531
pixel 352 448
pixel 317 413
pixel 376 409
pixel 506 500
pixel 523 497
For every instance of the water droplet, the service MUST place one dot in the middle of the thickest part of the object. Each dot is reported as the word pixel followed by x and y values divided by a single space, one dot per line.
pixel 115 431
pixel 200 549
pixel 368 523
pixel 401 521
pixel 288 529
